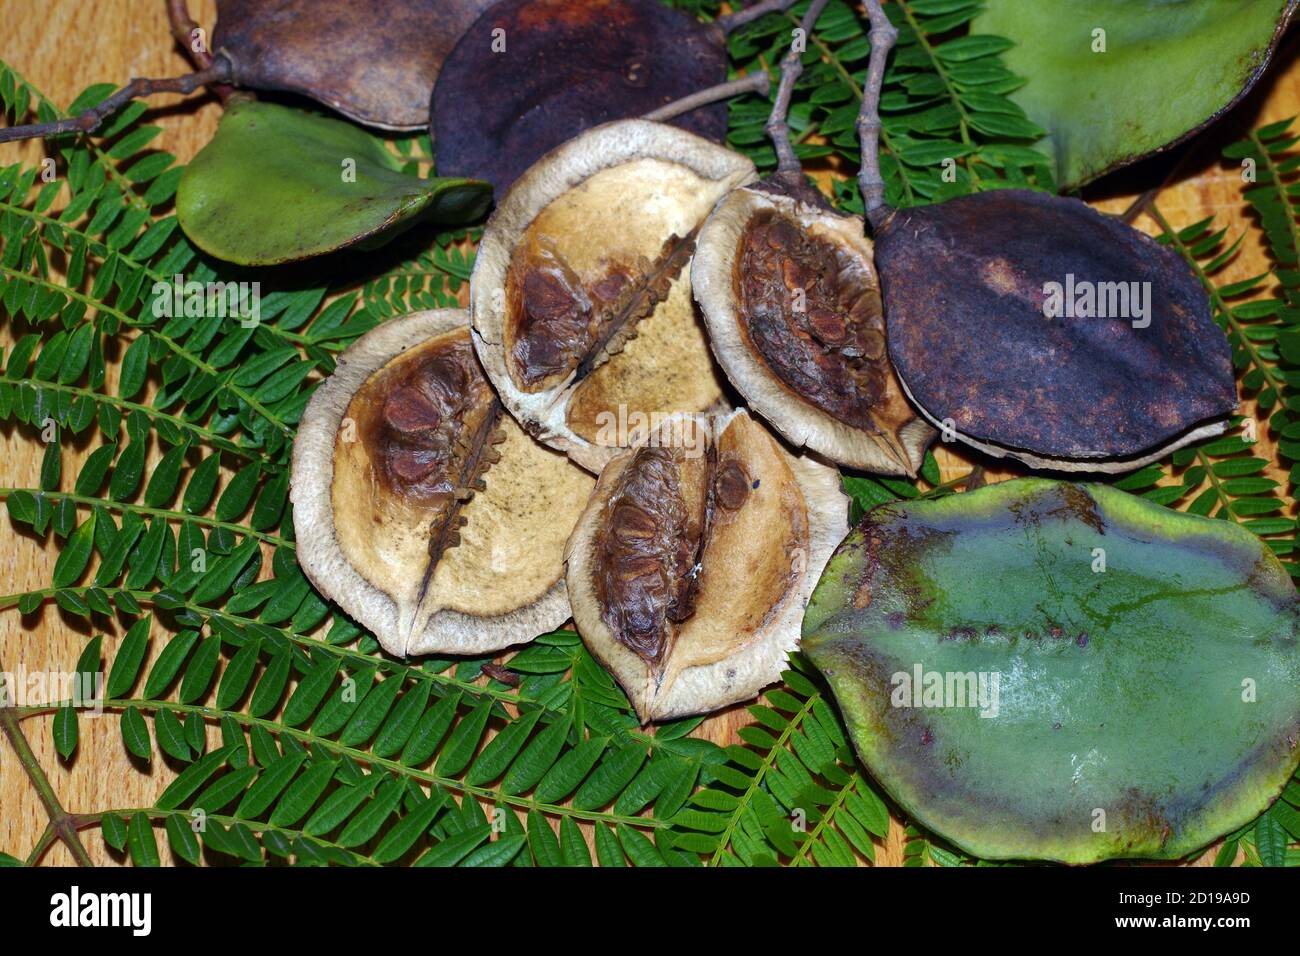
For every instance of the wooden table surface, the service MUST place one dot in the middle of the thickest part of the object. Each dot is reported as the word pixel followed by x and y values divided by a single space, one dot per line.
pixel 62 46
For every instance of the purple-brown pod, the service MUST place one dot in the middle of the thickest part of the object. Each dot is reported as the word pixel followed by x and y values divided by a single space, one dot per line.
pixel 374 61
pixel 1033 327
pixel 531 74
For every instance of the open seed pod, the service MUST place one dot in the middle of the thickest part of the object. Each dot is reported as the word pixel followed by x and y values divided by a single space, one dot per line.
pixel 689 570
pixel 1032 326
pixel 534 73
pixel 580 296
pixel 374 61
pixel 792 304
pixel 389 455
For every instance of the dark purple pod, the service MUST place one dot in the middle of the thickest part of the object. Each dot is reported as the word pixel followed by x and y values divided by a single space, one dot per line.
pixel 531 74
pixel 1034 327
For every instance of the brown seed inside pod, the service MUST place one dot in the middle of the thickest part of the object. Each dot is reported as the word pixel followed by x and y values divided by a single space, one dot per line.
pixel 689 569
pixel 814 314
pixel 397 517
pixel 790 297
pixel 580 298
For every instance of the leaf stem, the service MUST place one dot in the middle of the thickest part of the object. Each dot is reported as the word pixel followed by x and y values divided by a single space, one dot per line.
pixel 89 120
pixel 354 657
pixel 963 116
pixel 757 82
pixel 171 344
pixel 127 506
pixel 1283 195
pixel 751 13
pixel 827 816
pixel 828 56
pixel 769 758
pixel 60 820
pixel 1219 491
pixel 393 766
pixel 778 127
pixel 100 249
pixel 102 159
pixel 83 820
pixel 1220 306
pixel 102 398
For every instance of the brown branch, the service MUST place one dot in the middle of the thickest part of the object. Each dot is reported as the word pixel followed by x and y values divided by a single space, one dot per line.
pixel 778 129
pixel 751 13
pixel 89 120
pixel 758 82
pixel 870 182
pixel 183 27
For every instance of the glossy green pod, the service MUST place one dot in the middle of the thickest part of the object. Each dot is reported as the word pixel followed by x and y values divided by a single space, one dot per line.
pixel 1113 81
pixel 278 184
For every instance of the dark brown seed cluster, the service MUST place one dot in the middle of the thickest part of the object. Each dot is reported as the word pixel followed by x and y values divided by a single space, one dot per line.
pixel 653 539
pixel 813 313
pixel 648 549
pixel 559 324
pixel 428 424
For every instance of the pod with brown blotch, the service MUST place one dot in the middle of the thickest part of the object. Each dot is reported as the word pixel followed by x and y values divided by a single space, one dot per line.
pixel 689 570
pixel 374 61
pixel 790 296
pixel 1053 671
pixel 394 519
pixel 580 297
pixel 1031 326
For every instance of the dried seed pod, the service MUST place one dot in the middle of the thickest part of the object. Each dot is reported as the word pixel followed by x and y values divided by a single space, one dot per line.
pixel 580 297
pixel 535 73
pixel 689 570
pixel 1033 327
pixel 389 526
pixel 789 294
pixel 374 61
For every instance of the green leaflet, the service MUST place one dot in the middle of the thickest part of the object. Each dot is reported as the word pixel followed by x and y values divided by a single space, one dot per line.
pixel 276 185
pixel 140 841
pixel 1168 68
pixel 1136 669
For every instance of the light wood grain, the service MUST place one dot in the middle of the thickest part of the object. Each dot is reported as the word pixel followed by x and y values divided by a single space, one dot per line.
pixel 61 46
